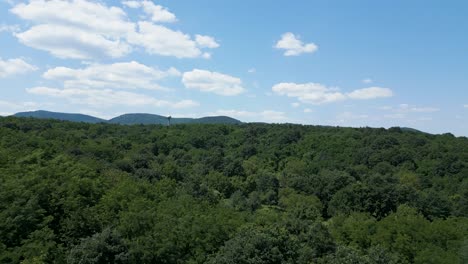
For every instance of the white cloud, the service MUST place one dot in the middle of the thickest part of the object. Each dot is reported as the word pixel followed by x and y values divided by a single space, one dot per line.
pixel 9 28
pixel 262 116
pixel 313 93
pixel 316 93
pixel 67 42
pixel 214 82
pixel 81 14
pixel 96 85
pixel 76 29
pixel 124 75
pixel 308 110
pixel 206 55
pixel 132 4
pixel 103 98
pixel 15 66
pixel 252 70
pixel 157 13
pixel 157 39
pixel 81 29
pixel 370 93
pixel 206 42
pixel 295 105
pixel 367 81
pixel 406 108
pixel 403 111
pixel 293 46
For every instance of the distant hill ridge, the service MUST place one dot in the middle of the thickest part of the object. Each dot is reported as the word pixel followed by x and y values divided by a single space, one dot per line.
pixel 128 119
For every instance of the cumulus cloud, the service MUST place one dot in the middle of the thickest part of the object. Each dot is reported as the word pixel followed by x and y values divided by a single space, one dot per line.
pixel 86 15
pixel 206 42
pixel 262 116
pixel 293 45
pixel 15 66
pixel 315 93
pixel 65 42
pixel 156 13
pixel 124 75
pixel 206 55
pixel 9 28
pixel 370 93
pixel 81 29
pixel 102 98
pixel 160 40
pixel 76 29
pixel 97 85
pixel 213 82
pixel 132 4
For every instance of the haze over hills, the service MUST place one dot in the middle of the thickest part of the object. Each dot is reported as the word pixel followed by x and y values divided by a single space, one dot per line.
pixel 128 119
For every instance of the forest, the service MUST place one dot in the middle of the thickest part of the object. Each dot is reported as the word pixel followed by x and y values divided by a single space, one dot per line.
pixel 230 193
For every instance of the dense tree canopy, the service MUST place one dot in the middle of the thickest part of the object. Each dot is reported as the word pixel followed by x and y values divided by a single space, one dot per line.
pixel 249 193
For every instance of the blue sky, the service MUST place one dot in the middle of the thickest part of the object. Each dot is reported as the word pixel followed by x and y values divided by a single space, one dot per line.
pixel 345 63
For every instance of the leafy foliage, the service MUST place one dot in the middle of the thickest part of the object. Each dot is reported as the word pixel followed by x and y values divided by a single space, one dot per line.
pixel 220 193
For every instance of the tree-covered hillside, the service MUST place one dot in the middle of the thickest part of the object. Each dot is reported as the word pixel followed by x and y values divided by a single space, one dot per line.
pixel 129 119
pixel 41 114
pixel 248 193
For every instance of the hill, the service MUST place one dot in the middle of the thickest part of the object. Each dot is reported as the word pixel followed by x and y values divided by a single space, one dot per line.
pixel 129 119
pixel 146 119
pixel 41 114
pixel 132 119
pixel 216 120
